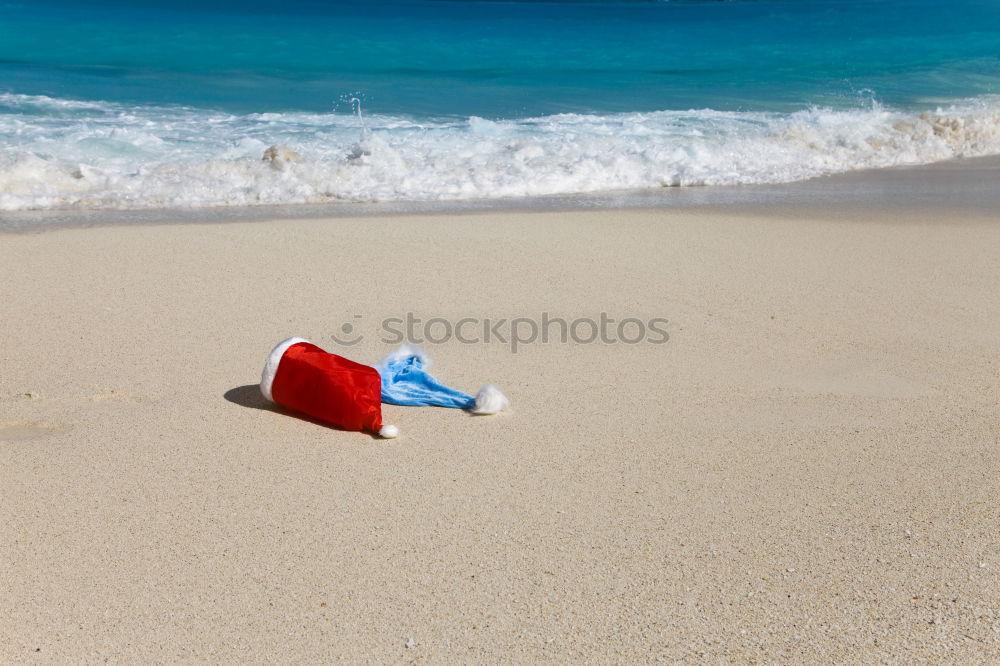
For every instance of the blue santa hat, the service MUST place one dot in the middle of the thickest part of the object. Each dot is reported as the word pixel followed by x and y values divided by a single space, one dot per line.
pixel 405 381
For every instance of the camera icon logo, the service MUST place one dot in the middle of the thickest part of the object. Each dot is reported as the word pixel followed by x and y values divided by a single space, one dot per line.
pixel 348 335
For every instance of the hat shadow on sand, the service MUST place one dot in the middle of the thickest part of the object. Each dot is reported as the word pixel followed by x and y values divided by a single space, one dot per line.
pixel 250 396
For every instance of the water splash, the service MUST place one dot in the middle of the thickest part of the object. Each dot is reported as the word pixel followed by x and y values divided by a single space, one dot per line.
pixel 65 154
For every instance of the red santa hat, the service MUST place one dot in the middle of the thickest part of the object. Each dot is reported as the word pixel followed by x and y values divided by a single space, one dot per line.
pixel 330 388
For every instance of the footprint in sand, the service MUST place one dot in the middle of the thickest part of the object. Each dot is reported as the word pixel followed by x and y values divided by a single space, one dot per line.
pixel 20 431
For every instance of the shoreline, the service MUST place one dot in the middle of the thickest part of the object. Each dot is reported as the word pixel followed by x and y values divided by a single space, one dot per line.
pixel 966 186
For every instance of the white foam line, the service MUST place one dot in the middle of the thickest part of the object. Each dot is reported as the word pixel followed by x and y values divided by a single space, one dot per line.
pixel 102 155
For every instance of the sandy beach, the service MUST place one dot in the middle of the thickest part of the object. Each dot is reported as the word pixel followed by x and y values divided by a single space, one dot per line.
pixel 805 472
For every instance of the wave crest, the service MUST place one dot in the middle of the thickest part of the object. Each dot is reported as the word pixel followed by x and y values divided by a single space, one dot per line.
pixel 65 154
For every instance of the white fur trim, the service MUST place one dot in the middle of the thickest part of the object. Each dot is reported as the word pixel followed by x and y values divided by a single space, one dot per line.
pixel 388 432
pixel 490 400
pixel 273 361
pixel 405 351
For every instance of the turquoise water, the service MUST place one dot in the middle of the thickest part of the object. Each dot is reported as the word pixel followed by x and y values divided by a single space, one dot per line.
pixel 121 104
pixel 503 59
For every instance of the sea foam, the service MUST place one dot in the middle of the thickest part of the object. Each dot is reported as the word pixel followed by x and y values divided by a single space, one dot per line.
pixel 68 154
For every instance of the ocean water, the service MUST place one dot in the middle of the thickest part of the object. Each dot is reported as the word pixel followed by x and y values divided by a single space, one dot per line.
pixel 115 104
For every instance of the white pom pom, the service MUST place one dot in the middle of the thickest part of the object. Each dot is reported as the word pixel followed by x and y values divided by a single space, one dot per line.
pixel 490 400
pixel 388 432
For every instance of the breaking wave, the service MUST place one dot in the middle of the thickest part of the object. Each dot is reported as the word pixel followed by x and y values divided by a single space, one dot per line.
pixel 70 154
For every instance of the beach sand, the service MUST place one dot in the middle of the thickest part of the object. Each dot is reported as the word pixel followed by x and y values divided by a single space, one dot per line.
pixel 806 471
